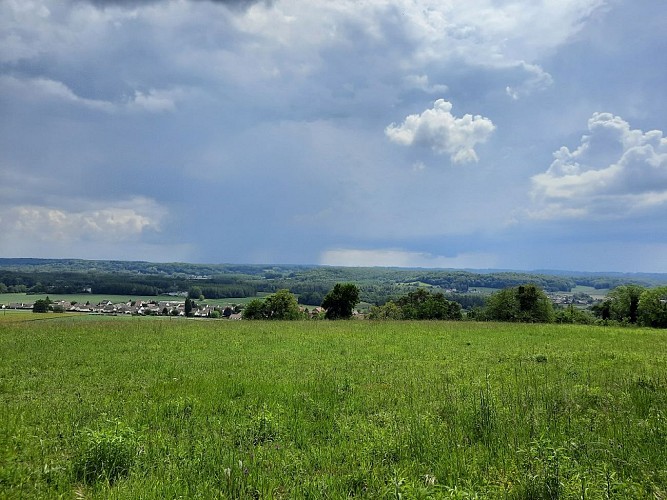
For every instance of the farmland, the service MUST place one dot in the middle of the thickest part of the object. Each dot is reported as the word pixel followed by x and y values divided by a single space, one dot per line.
pixel 153 408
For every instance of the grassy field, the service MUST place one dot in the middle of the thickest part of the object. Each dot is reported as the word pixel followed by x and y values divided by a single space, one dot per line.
pixel 145 408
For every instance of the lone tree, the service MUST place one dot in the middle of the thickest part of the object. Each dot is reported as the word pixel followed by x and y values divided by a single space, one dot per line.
pixel 652 309
pixel 419 304
pixel 339 302
pixel 282 305
pixel 624 301
pixel 41 306
pixel 254 309
pixel 523 303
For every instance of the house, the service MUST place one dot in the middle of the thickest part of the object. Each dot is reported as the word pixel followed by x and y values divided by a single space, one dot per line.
pixel 21 305
pixel 108 308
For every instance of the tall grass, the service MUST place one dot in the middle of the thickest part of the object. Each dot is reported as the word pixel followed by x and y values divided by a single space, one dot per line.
pixel 330 410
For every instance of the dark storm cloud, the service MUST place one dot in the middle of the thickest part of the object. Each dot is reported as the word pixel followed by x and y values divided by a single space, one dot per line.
pixel 166 129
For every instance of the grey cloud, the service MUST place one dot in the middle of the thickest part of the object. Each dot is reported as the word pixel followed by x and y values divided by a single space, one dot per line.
pixel 616 171
pixel 219 113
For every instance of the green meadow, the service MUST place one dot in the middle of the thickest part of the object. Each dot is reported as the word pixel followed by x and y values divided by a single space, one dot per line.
pixel 159 408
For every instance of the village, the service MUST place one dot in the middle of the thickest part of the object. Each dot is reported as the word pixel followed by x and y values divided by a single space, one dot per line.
pixel 177 308
pixel 172 308
pixel 133 307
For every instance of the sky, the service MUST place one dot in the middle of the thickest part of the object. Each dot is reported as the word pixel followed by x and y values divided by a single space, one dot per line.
pixel 499 134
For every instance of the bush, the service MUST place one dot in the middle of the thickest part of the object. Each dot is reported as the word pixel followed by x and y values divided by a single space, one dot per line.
pixel 574 316
pixel 421 305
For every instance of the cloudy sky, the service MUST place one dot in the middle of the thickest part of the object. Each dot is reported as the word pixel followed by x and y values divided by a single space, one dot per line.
pixel 431 133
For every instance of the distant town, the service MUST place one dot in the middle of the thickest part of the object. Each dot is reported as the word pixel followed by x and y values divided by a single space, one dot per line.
pixel 132 307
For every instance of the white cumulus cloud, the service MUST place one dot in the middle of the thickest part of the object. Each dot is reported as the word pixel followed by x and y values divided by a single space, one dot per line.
pixel 440 130
pixel 616 171
pixel 108 223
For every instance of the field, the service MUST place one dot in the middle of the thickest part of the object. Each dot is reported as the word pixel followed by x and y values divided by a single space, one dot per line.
pixel 153 408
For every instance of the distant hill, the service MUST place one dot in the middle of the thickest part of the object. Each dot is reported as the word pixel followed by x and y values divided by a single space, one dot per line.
pixel 310 282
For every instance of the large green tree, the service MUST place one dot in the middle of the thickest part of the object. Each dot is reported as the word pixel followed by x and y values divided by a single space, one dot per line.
pixel 523 303
pixel 386 311
pixel 41 305
pixel 340 301
pixel 624 303
pixel 188 307
pixel 422 304
pixel 419 304
pixel 652 309
pixel 282 305
pixel 254 309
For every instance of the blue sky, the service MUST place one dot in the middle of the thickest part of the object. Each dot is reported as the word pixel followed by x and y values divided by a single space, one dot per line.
pixel 430 133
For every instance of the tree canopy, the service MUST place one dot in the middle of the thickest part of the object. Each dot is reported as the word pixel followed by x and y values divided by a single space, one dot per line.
pixel 282 305
pixel 624 303
pixel 339 302
pixel 188 307
pixel 41 305
pixel 419 304
pixel 523 303
pixel 652 309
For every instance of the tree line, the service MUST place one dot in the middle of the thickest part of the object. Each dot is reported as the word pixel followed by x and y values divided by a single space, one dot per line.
pixel 634 305
pixel 393 293
pixel 377 286
pixel 338 303
pixel 525 303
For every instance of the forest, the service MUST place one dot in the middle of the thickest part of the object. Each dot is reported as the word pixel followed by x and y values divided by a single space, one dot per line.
pixel 310 283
